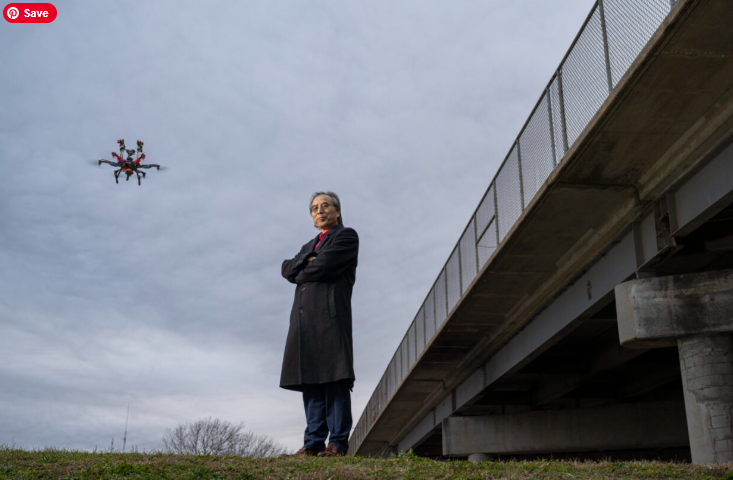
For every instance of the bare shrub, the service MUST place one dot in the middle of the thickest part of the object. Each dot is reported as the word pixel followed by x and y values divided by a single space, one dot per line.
pixel 212 436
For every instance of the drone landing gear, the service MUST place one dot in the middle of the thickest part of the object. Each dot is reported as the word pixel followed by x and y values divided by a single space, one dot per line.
pixel 117 176
pixel 138 179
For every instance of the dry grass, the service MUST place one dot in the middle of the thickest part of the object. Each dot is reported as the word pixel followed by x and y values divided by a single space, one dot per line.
pixel 65 464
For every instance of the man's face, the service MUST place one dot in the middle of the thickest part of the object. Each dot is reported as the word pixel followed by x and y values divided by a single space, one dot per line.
pixel 324 213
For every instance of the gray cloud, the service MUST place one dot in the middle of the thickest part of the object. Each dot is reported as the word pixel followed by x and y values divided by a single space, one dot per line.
pixel 167 297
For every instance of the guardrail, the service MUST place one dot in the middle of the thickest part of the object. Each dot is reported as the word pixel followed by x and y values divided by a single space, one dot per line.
pixel 611 37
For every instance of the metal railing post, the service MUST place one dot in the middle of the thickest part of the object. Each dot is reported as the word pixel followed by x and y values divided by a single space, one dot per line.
pixel 605 45
pixel 424 329
pixel 475 243
pixel 496 216
pixel 521 180
pixel 460 270
pixel 407 355
pixel 548 94
pixel 435 316
pixel 563 122
pixel 414 340
pixel 445 270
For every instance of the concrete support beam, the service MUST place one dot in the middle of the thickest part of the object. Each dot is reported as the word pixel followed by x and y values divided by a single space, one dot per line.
pixel 617 427
pixel 655 312
pixel 694 311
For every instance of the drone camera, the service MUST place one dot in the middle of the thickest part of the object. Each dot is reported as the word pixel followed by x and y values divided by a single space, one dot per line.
pixel 130 152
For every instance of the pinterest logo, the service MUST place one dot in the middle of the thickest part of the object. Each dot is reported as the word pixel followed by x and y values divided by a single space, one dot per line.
pixel 29 12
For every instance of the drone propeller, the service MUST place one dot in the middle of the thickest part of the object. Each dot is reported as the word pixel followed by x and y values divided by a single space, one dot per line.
pixel 153 165
pixel 98 163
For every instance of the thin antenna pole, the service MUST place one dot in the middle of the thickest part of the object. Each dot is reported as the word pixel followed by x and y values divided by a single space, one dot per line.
pixel 124 439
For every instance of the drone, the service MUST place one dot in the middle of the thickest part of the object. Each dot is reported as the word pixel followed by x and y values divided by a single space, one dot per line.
pixel 131 164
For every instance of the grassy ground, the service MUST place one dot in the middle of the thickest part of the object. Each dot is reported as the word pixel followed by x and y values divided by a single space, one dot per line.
pixel 63 464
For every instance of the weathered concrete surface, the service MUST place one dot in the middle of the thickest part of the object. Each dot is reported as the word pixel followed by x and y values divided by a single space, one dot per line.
pixel 707 378
pixel 618 427
pixel 671 109
pixel 695 312
pixel 655 312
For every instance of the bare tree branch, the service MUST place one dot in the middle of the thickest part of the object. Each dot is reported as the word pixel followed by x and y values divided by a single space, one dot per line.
pixel 212 436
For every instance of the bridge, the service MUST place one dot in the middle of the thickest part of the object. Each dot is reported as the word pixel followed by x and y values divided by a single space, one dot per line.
pixel 587 308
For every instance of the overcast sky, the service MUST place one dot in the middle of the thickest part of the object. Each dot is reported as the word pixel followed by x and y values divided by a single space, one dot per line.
pixel 167 297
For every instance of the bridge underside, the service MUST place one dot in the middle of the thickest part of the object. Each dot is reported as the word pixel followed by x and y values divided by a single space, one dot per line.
pixel 645 191
pixel 584 369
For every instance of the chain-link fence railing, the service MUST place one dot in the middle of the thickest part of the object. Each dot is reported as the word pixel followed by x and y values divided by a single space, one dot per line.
pixel 609 41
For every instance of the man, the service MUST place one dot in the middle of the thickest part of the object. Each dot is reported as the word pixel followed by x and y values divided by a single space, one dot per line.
pixel 319 354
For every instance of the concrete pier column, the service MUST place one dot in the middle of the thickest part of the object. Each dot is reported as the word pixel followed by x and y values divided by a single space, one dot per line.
pixel 707 377
pixel 694 312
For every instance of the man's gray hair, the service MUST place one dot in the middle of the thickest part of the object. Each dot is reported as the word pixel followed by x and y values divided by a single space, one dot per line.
pixel 336 202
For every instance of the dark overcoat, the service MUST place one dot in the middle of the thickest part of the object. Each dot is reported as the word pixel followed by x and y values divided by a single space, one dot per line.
pixel 319 347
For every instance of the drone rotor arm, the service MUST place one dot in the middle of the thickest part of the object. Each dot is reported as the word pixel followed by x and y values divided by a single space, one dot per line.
pixel 114 164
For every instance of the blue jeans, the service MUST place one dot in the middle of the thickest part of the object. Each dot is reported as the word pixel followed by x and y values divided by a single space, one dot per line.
pixel 327 409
